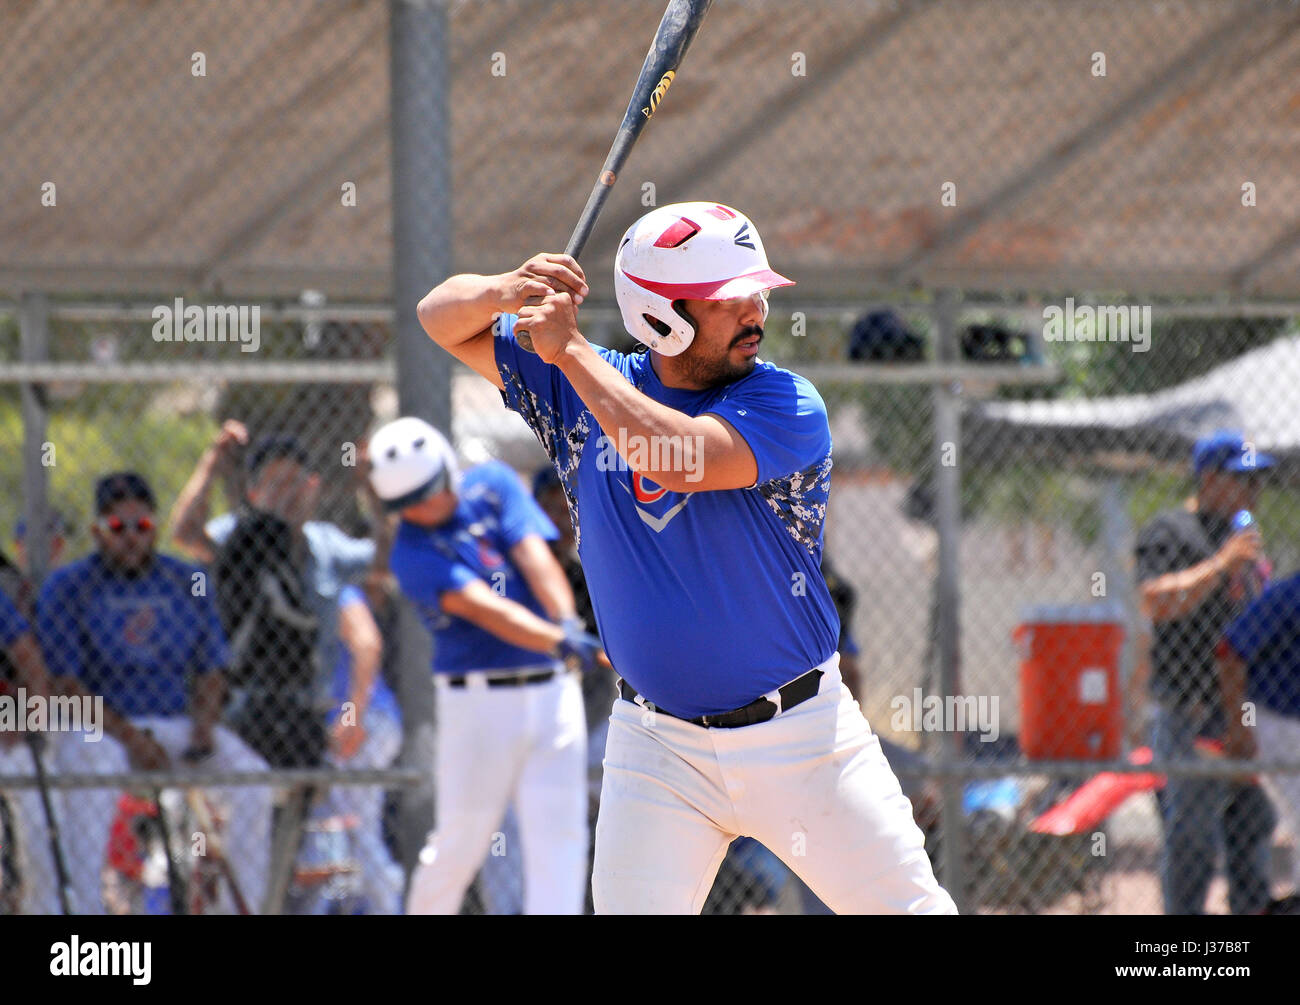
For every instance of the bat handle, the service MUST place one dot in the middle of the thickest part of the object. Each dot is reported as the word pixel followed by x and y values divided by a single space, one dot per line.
pixel 578 239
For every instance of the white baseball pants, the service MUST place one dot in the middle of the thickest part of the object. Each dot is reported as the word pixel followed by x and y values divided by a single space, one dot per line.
pixel 84 816
pixel 528 743
pixel 811 784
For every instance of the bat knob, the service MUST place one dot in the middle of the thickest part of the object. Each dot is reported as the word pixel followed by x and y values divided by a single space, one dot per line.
pixel 525 341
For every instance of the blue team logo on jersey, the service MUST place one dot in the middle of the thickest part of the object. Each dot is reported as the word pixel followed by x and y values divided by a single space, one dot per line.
pixel 654 504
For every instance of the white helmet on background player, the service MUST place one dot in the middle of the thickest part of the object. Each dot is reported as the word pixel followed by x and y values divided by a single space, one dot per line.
pixel 686 251
pixel 410 461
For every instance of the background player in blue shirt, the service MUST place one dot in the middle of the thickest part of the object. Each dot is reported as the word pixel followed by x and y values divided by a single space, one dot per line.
pixel 698 478
pixel 471 555
pixel 85 815
pixel 141 629
pixel 1259 662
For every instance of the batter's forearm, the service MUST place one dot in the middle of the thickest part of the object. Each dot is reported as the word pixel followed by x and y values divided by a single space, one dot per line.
pixel 459 308
pixel 520 627
pixel 498 615
pixel 629 417
pixel 553 592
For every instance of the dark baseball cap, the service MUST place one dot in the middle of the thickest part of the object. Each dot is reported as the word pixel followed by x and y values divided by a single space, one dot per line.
pixel 1227 450
pixel 114 488
pixel 274 448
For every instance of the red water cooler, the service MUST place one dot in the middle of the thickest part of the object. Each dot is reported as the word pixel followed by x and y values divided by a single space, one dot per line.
pixel 1070 706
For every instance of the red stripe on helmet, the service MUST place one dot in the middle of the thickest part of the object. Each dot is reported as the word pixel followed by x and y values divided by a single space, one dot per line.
pixel 678 234
pixel 717 289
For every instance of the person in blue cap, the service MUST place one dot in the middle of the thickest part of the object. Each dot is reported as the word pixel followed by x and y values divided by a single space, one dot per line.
pixel 1194 569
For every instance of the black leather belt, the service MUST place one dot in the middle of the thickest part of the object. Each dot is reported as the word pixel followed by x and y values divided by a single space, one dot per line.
pixel 516 681
pixel 759 710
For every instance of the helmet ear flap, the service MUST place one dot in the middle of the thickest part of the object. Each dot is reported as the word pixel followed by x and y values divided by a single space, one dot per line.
pixel 679 308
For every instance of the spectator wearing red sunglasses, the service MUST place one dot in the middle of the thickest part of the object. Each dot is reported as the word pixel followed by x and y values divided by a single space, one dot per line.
pixel 141 629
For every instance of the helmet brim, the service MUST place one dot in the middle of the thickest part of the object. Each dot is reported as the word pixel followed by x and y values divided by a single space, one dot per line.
pixel 440 482
pixel 720 289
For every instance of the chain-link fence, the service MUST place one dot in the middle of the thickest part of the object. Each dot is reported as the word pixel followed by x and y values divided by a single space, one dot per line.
pixel 1044 253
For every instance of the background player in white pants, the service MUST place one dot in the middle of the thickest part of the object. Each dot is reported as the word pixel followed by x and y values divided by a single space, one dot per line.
pixel 471 555
pixel 698 477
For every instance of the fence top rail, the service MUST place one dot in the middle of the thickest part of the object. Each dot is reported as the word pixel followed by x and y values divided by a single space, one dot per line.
pixel 925 373
pixel 370 371
pixel 1012 767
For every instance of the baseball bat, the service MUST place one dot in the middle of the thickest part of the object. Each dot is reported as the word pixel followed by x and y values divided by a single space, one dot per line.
pixel 676 30
pixel 51 824
pixel 177 888
pixel 215 847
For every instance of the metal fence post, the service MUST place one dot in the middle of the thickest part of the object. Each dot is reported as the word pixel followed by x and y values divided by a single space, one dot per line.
pixel 34 328
pixel 420 127
pixel 422 219
pixel 947 439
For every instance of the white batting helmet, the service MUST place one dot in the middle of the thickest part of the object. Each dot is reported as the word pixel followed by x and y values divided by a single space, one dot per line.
pixel 410 461
pixel 687 251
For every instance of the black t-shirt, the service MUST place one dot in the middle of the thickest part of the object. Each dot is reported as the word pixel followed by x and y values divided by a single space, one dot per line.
pixel 1182 651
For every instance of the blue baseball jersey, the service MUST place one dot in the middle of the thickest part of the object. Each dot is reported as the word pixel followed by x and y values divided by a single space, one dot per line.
pixel 493 515
pixel 382 699
pixel 135 640
pixel 1267 638
pixel 704 600
pixel 12 623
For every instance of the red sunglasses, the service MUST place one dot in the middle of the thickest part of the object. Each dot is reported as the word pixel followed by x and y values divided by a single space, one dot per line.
pixel 117 525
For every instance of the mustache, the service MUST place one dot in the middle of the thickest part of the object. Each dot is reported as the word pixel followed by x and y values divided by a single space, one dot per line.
pixel 749 332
